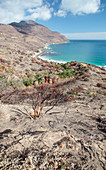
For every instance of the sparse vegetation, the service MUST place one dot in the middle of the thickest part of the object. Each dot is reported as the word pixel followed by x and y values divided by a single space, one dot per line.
pixel 28 82
pixel 66 73
pixel 39 77
pixel 65 93
pixel 52 116
pixel 30 54
pixel 3 67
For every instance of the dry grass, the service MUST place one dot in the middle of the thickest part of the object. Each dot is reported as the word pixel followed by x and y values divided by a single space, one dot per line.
pixel 1 113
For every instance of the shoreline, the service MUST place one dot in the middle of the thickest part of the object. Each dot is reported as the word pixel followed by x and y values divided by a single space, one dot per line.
pixel 40 56
pixel 61 62
pixel 41 51
pixel 50 60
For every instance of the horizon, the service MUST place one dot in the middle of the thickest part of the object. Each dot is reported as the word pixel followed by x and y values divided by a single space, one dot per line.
pixel 86 36
pixel 78 20
pixel 86 40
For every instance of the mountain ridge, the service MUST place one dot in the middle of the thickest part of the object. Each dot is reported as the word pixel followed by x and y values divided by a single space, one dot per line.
pixel 28 36
pixel 32 28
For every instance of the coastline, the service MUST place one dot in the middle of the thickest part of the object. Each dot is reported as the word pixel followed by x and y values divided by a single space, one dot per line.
pixel 50 60
pixel 41 51
pixel 63 62
pixel 40 56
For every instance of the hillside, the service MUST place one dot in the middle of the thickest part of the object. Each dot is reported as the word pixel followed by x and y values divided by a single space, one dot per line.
pixel 26 36
pixel 32 28
pixel 69 133
pixel 52 116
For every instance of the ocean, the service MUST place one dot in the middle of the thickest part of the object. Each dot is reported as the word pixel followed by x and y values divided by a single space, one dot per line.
pixel 86 51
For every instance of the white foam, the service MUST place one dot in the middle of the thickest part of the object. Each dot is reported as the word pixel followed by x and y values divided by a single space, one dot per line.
pixel 50 60
pixel 47 47
pixel 59 61
pixel 103 67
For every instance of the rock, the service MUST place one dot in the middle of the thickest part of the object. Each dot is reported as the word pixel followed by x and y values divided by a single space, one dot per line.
pixel 36 83
pixel 99 85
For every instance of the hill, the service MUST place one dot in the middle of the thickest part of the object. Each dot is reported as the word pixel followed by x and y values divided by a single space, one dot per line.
pixel 52 116
pixel 70 131
pixel 27 36
pixel 32 28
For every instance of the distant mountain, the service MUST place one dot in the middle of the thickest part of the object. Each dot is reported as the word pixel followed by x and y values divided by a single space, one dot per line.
pixel 32 28
pixel 28 36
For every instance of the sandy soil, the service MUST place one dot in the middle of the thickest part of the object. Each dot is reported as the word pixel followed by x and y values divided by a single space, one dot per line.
pixel 70 136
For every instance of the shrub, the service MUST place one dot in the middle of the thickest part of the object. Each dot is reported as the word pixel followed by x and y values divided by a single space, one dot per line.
pixel 3 67
pixel 66 73
pixel 45 73
pixel 10 70
pixel 30 54
pixel 65 67
pixel 16 83
pixel 39 77
pixel 30 75
pixel 28 82
pixel 37 51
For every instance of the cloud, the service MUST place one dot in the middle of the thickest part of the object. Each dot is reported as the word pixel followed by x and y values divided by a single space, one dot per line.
pixel 42 13
pixel 86 36
pixel 17 10
pixel 80 7
pixel 54 2
pixel 60 13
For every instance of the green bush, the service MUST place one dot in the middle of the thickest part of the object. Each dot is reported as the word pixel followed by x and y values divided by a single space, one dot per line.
pixel 30 54
pixel 28 82
pixel 66 73
pixel 65 67
pixel 45 73
pixel 30 75
pixel 39 77
pixel 3 67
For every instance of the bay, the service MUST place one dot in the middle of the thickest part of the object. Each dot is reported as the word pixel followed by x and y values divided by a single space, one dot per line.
pixel 86 51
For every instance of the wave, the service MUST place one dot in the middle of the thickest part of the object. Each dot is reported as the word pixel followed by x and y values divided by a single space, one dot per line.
pixel 49 53
pixel 47 47
pixel 103 67
pixel 50 60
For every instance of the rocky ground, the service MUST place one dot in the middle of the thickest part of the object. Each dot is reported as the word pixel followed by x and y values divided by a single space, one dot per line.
pixel 71 135
pixel 52 116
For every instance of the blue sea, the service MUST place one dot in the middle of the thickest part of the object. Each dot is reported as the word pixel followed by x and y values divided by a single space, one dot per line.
pixel 86 51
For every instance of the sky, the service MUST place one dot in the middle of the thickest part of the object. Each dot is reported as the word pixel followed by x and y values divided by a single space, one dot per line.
pixel 76 19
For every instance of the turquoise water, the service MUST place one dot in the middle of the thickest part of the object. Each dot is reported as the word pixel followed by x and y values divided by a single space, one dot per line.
pixel 86 51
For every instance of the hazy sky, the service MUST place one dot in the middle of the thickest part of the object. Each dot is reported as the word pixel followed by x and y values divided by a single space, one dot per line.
pixel 77 19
